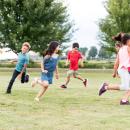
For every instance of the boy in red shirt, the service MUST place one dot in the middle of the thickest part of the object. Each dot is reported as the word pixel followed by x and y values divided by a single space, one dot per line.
pixel 73 58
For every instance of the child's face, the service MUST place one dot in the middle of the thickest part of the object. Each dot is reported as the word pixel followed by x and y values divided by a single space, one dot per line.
pixel 128 42
pixel 57 49
pixel 76 48
pixel 25 49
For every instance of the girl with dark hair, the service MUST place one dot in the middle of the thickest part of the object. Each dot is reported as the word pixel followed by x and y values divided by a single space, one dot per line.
pixel 122 65
pixel 48 66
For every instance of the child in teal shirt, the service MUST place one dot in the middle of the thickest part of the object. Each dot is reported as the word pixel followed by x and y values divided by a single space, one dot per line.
pixel 20 69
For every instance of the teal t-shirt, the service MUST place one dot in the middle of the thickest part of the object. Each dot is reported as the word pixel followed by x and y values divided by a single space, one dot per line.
pixel 22 60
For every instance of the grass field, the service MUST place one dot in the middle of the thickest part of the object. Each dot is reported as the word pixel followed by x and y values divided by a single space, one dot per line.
pixel 76 108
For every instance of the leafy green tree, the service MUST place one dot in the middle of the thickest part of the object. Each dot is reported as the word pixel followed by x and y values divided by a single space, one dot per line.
pixel 83 50
pixel 116 21
pixel 92 52
pixel 104 53
pixel 35 21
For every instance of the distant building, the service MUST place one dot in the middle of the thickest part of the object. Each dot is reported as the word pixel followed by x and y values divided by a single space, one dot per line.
pixel 7 54
pixel 35 56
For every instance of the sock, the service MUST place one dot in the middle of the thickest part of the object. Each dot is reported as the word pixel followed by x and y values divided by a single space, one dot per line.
pixel 106 87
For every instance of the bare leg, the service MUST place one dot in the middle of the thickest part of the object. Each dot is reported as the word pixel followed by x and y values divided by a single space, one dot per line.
pixel 78 77
pixel 44 87
pixel 126 96
pixel 34 82
pixel 67 80
pixel 113 87
pixel 106 87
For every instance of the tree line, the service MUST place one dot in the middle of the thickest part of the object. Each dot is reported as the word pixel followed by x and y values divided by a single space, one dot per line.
pixel 41 21
pixel 35 21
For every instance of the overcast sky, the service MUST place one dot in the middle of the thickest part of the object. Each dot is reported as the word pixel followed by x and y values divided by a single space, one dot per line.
pixel 86 14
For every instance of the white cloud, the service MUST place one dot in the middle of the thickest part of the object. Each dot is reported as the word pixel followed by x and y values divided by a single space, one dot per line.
pixel 85 14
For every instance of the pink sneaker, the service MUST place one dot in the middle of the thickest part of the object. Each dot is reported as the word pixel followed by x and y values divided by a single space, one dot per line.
pixel 103 89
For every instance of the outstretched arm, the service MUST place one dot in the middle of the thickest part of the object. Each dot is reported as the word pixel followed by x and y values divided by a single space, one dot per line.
pixel 57 73
pixel 42 68
pixel 23 70
pixel 116 65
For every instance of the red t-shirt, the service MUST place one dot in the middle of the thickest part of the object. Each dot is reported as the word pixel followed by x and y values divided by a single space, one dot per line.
pixel 73 57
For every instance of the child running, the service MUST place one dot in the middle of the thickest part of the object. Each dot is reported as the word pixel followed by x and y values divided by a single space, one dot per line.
pixel 122 65
pixel 48 66
pixel 20 69
pixel 73 57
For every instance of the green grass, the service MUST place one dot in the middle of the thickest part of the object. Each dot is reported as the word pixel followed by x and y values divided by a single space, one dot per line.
pixel 76 108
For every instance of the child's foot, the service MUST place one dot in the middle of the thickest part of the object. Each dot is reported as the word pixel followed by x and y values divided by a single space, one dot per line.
pixel 85 82
pixel 34 82
pixel 8 91
pixel 103 89
pixel 63 86
pixel 36 99
pixel 124 102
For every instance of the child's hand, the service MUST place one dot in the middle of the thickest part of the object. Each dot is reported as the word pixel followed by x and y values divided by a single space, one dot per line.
pixel 44 71
pixel 66 64
pixel 114 75
pixel 19 76
pixel 82 64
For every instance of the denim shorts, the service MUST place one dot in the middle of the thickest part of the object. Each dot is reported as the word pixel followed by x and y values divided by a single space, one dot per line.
pixel 47 77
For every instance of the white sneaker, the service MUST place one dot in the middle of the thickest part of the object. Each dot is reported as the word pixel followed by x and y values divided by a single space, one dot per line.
pixel 34 82
pixel 36 99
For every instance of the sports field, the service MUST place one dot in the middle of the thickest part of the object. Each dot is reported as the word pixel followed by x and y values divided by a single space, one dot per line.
pixel 75 108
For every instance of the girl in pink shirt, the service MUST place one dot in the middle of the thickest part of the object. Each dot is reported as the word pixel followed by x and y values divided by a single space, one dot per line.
pixel 122 65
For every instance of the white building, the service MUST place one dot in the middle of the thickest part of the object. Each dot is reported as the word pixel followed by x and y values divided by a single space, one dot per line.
pixel 7 54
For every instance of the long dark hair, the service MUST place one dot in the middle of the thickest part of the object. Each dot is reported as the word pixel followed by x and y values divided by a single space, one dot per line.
pixel 125 38
pixel 118 37
pixel 51 48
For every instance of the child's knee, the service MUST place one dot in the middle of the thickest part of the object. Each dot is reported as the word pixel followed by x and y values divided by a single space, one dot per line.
pixel 68 77
pixel 45 84
pixel 74 76
pixel 46 87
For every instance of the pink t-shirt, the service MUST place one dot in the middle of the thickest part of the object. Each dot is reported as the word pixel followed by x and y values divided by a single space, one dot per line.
pixel 124 58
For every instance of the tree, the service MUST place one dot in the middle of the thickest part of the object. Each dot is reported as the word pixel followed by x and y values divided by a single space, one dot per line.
pixel 83 50
pixel 104 53
pixel 116 21
pixel 92 52
pixel 35 21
